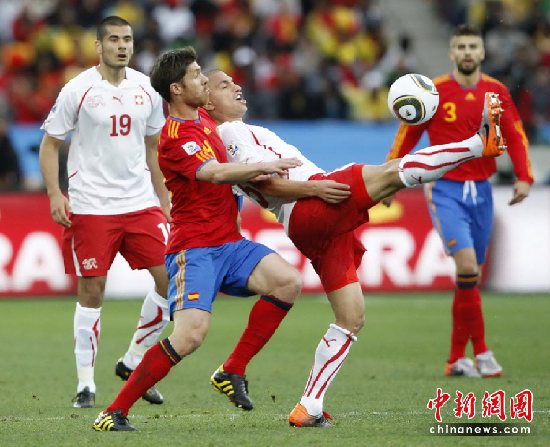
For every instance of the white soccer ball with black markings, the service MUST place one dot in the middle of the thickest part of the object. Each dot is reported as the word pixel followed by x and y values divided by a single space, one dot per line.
pixel 413 98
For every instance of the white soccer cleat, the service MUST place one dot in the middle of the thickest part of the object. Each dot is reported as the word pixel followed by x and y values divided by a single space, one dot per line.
pixel 462 367
pixel 487 365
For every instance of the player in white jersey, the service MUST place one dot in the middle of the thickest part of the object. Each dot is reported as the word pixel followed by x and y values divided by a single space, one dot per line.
pixel 115 188
pixel 324 230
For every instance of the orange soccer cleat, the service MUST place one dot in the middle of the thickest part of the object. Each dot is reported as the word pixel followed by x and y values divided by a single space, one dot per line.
pixel 299 417
pixel 494 143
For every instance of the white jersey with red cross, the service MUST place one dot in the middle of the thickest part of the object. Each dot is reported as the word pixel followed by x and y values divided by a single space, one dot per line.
pixel 246 143
pixel 107 168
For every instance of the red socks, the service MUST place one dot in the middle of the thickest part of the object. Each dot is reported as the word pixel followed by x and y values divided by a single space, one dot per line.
pixel 155 365
pixel 263 321
pixel 467 318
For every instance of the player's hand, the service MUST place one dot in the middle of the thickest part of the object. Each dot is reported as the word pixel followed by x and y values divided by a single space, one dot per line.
pixel 166 207
pixel 60 209
pixel 388 200
pixel 521 190
pixel 281 166
pixel 261 178
pixel 331 191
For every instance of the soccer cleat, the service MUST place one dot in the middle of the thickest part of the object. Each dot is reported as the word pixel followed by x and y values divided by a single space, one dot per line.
pixel 487 365
pixel 112 421
pixel 152 395
pixel 494 143
pixel 84 399
pixel 299 417
pixel 462 367
pixel 235 387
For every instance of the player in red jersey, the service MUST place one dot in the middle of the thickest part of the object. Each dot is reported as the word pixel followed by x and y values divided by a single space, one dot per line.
pixel 323 230
pixel 461 202
pixel 206 253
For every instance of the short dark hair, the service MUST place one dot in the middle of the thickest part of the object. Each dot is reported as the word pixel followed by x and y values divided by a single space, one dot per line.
pixel 170 67
pixel 466 29
pixel 109 21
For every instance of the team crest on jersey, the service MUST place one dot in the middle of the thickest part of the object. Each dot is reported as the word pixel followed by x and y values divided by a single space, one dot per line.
pixel 139 100
pixel 232 149
pixel 207 131
pixel 95 101
pixel 89 263
pixel 191 147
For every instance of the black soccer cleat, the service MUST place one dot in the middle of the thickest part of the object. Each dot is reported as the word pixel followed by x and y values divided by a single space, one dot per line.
pixel 112 421
pixel 152 395
pixel 84 399
pixel 235 387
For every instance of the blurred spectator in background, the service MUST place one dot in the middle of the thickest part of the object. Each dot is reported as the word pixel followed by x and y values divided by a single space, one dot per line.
pixel 10 172
pixel 295 59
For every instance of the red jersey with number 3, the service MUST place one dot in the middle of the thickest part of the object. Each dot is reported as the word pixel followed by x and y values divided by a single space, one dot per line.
pixel 203 214
pixel 458 117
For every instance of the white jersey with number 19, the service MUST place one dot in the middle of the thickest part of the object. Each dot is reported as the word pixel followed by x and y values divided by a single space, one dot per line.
pixel 107 168
pixel 246 143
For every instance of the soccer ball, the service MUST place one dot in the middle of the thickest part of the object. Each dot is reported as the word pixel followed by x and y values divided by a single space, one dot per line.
pixel 413 98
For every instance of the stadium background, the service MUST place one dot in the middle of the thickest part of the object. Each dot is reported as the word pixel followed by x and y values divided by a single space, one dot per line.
pixel 316 72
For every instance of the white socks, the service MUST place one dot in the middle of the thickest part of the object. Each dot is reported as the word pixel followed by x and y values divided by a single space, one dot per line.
pixel 329 356
pixel 87 327
pixel 429 164
pixel 154 318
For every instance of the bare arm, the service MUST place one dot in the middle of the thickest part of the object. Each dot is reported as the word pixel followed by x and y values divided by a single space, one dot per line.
pixel 327 190
pixel 151 158
pixel 234 173
pixel 49 166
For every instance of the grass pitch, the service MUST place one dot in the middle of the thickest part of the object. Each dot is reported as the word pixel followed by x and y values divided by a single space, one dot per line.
pixel 379 398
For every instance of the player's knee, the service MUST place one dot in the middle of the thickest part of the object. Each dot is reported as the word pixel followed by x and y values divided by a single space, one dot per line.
pixel 359 323
pixel 467 268
pixel 289 284
pixel 90 293
pixel 352 322
pixel 185 344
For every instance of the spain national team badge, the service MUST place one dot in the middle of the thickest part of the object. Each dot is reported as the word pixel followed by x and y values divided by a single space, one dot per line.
pixel 139 100
pixel 193 296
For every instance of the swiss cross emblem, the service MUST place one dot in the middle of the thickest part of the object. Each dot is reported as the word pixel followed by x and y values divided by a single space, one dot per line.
pixel 139 100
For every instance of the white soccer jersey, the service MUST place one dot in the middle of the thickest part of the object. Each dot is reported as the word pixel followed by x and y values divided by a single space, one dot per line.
pixel 107 169
pixel 252 144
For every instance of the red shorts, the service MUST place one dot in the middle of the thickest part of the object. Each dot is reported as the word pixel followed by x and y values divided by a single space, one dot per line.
pixel 325 233
pixel 92 242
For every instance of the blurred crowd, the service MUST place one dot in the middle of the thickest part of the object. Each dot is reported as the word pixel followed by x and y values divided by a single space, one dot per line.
pixel 295 59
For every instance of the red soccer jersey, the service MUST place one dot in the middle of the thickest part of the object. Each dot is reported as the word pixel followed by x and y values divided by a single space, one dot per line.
pixel 203 214
pixel 458 117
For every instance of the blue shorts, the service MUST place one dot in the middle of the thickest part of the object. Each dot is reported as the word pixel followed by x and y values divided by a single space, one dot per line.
pixel 197 274
pixel 462 213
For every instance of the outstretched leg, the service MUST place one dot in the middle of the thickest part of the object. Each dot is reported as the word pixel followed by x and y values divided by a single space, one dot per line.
pixel 431 163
